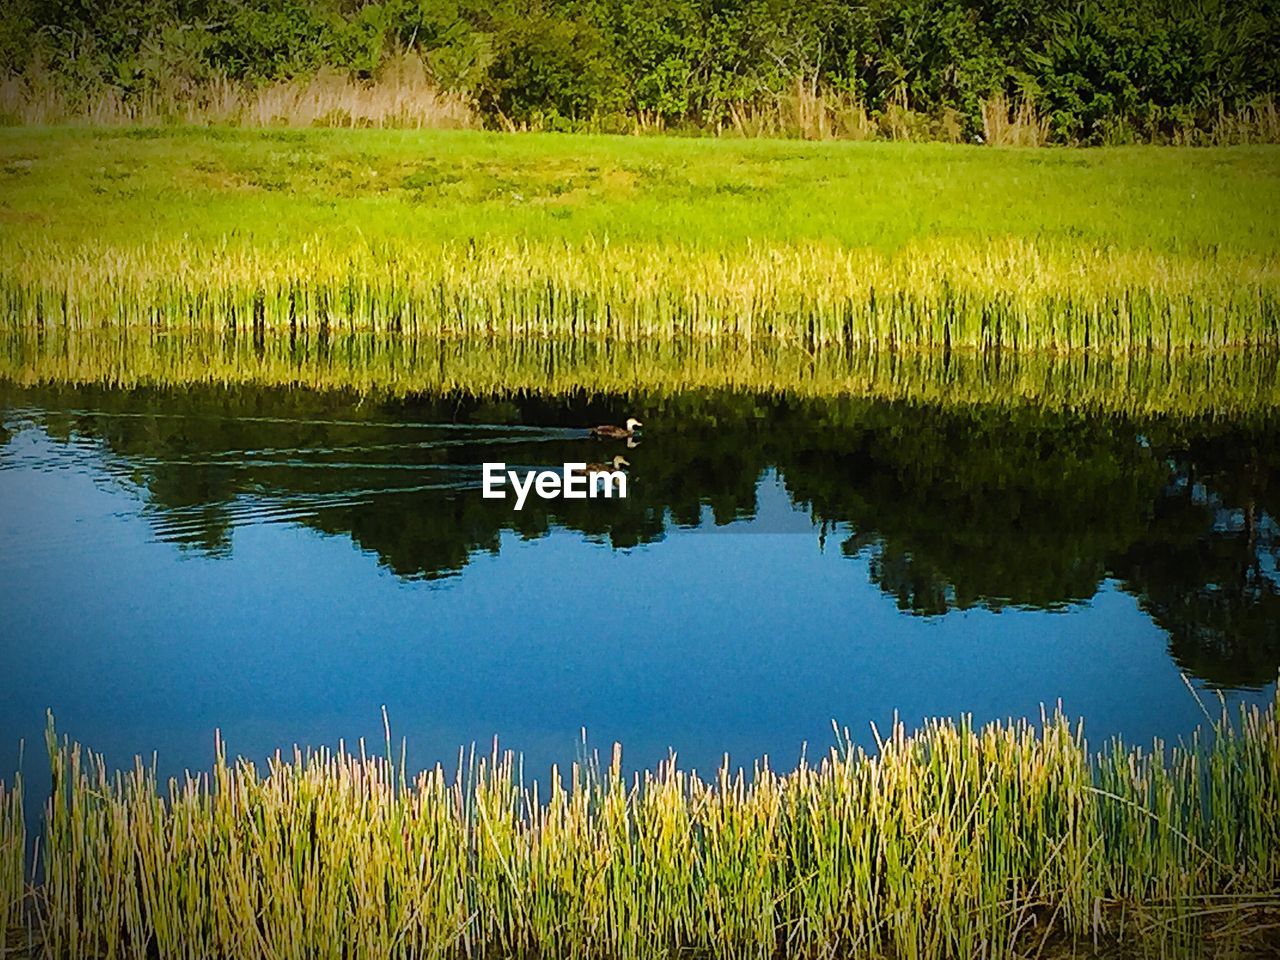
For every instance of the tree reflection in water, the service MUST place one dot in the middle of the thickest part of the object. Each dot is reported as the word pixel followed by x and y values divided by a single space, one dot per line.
pixel 953 508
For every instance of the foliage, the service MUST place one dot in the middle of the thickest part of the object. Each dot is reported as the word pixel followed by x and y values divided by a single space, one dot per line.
pixel 1100 72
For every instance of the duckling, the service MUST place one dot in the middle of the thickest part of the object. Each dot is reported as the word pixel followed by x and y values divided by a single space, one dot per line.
pixel 609 432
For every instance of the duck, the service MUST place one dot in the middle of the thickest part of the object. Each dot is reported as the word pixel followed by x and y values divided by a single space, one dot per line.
pixel 617 463
pixel 609 432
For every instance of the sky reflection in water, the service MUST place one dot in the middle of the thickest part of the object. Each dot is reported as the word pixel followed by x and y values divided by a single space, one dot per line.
pixel 280 565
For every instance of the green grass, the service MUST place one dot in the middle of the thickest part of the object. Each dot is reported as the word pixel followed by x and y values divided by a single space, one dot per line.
pixel 132 186
pixel 642 238
pixel 949 842
pixel 13 872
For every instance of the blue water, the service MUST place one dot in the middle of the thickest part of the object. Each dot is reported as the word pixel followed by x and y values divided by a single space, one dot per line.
pixel 749 636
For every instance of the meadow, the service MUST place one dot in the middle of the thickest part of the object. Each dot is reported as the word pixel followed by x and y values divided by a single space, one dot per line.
pixel 957 841
pixel 464 233
pixel 1138 282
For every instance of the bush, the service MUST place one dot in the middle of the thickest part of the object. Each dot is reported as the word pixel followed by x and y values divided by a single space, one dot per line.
pixel 1123 70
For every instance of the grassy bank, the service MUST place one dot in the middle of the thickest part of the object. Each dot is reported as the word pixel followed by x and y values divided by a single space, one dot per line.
pixel 465 233
pixel 947 842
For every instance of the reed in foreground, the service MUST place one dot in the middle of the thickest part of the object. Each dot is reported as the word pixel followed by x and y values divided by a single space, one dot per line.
pixel 951 841
pixel 12 860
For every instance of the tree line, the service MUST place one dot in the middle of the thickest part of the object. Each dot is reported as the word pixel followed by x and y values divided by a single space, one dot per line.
pixel 1081 71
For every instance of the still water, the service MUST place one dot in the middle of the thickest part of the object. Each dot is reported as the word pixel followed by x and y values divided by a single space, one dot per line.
pixel 281 564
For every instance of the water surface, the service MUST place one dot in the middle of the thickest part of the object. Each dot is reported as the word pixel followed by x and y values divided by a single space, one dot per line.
pixel 280 564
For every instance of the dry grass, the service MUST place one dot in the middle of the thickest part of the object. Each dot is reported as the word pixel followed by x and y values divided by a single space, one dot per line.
pixel 402 95
pixel 806 112
pixel 1013 124
pixel 1259 122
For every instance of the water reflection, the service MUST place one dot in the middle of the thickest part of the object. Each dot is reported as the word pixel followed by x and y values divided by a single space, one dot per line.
pixel 952 509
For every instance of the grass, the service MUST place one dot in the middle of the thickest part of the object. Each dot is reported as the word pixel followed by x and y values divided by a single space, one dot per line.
pixel 952 841
pixel 542 236
pixel 401 95
pixel 1219 383
pixel 13 873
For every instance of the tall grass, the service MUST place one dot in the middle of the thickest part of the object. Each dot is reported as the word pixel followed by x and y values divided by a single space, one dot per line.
pixel 459 233
pixel 1256 122
pixel 13 874
pixel 401 95
pixel 1010 124
pixel 934 293
pixel 950 841
pixel 1219 383
pixel 805 111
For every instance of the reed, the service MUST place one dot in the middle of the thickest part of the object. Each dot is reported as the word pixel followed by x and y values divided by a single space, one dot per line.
pixel 1013 124
pixel 977 295
pixel 806 111
pixel 449 234
pixel 949 841
pixel 13 875
pixel 401 95
pixel 1149 383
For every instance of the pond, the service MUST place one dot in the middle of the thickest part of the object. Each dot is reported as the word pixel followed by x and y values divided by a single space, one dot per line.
pixel 280 564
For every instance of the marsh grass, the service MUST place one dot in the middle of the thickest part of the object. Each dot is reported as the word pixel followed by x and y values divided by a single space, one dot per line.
pixel 13 873
pixel 1216 383
pixel 949 841
pixel 933 294
pixel 433 234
